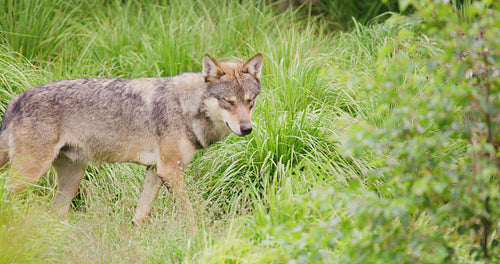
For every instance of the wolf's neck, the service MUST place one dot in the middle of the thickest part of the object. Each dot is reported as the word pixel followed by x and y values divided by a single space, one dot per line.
pixel 206 130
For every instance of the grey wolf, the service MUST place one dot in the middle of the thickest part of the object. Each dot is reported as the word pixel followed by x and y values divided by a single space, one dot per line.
pixel 157 122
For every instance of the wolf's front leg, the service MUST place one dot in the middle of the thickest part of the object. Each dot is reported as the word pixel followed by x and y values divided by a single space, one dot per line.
pixel 172 176
pixel 175 153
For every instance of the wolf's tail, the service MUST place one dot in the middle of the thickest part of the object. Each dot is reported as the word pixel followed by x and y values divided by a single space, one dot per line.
pixel 4 152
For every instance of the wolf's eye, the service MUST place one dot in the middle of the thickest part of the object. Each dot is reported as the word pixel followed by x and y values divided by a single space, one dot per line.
pixel 228 101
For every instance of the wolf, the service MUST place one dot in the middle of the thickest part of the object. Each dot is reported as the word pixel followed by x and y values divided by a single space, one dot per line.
pixel 157 122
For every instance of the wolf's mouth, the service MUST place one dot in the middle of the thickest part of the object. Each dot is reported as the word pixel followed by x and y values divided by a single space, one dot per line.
pixel 227 124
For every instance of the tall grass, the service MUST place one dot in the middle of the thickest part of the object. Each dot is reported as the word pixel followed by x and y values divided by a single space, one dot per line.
pixel 16 73
pixel 38 30
pixel 258 197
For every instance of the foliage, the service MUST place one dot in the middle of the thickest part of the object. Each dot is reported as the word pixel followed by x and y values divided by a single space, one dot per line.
pixel 343 14
pixel 421 146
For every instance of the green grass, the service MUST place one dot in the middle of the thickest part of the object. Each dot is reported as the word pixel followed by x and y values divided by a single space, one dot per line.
pixel 276 196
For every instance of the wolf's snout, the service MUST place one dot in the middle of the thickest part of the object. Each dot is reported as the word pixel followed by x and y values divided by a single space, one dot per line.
pixel 246 129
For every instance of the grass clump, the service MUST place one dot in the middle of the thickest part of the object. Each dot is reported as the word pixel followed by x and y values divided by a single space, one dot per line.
pixel 27 231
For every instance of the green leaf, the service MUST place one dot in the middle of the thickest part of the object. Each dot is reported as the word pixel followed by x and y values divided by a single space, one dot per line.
pixel 494 243
pixel 461 229
pixel 403 5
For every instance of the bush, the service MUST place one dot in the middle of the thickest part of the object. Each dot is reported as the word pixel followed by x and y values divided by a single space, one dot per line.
pixel 422 144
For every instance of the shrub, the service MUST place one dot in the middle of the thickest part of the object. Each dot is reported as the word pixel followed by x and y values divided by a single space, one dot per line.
pixel 422 146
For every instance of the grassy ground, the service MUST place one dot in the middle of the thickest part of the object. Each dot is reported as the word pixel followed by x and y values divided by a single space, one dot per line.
pixel 271 197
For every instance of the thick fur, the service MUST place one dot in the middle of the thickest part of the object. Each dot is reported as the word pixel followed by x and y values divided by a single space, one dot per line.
pixel 158 122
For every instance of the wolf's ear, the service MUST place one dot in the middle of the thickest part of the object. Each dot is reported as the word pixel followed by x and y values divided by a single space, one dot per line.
pixel 211 68
pixel 254 66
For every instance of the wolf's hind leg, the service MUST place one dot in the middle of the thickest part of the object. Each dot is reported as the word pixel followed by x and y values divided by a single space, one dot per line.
pixel 152 184
pixel 28 165
pixel 69 176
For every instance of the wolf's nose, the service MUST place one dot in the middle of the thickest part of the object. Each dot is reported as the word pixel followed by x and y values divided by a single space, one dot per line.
pixel 246 129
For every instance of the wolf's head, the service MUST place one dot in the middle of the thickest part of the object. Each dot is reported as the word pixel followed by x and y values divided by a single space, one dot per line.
pixel 232 90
